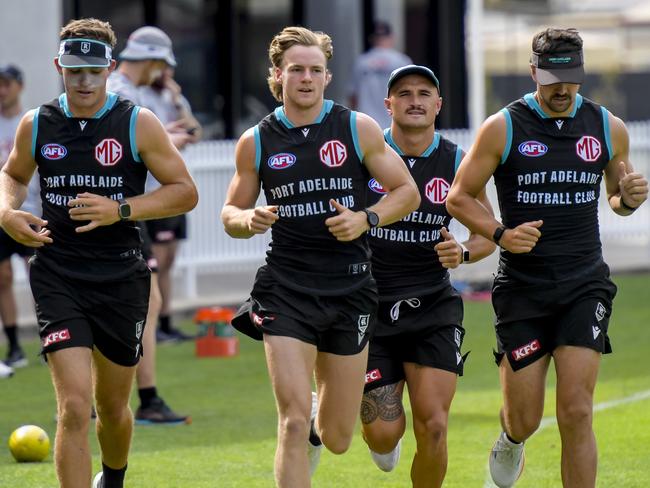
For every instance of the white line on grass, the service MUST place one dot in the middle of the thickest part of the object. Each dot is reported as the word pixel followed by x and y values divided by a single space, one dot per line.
pixel 548 421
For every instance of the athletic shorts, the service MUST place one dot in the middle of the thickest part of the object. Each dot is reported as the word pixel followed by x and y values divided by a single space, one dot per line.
pixel 426 330
pixel 108 315
pixel 167 230
pixel 533 320
pixel 335 324
pixel 147 252
pixel 9 247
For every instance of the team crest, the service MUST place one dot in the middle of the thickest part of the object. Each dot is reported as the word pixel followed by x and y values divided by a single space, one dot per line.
pixel 588 148
pixel 53 151
pixel 333 153
pixel 281 161
pixel 108 152
pixel 374 185
pixel 600 311
pixel 533 149
pixel 85 47
pixel 436 190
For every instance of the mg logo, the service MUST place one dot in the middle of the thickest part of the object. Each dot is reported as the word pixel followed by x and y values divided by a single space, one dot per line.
pixel 108 152
pixel 436 190
pixel 333 153
pixel 588 148
pixel 85 47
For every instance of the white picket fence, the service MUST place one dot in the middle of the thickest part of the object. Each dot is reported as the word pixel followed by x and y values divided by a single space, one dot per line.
pixel 209 250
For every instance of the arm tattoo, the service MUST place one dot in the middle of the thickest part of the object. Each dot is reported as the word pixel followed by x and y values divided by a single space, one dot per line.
pixel 384 402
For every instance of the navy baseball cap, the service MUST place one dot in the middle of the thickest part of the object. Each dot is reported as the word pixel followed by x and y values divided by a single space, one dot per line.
pixel 559 67
pixel 84 53
pixel 11 72
pixel 412 69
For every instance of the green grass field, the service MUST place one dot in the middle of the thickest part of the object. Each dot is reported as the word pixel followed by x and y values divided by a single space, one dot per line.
pixel 232 438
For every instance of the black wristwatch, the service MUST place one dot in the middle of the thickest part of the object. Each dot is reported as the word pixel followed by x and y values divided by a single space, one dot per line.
pixel 372 218
pixel 498 234
pixel 123 209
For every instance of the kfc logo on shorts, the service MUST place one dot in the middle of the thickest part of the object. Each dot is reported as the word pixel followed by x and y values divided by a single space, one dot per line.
pixel 436 190
pixel 58 336
pixel 259 320
pixel 108 152
pixel 373 375
pixel 588 148
pixel 525 351
pixel 333 153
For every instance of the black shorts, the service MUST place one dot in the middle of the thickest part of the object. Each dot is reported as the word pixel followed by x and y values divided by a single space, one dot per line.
pixel 147 252
pixel 79 313
pixel 533 320
pixel 167 230
pixel 335 324
pixel 9 247
pixel 425 330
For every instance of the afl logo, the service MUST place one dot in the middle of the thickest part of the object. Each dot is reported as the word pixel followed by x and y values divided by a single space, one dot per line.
pixel 108 152
pixel 374 185
pixel 53 151
pixel 333 153
pixel 436 190
pixel 281 161
pixel 533 149
pixel 588 148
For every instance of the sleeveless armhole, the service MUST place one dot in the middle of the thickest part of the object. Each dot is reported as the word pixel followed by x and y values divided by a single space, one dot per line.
pixel 506 149
pixel 132 134
pixel 355 135
pixel 459 158
pixel 34 132
pixel 607 131
pixel 258 147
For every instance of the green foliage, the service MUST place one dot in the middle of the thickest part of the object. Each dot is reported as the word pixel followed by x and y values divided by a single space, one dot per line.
pixel 232 438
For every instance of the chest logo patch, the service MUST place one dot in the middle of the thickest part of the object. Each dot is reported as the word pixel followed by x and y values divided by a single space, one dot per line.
pixel 589 148
pixel 533 149
pixel 53 151
pixel 108 152
pixel 333 153
pixel 374 185
pixel 436 190
pixel 281 161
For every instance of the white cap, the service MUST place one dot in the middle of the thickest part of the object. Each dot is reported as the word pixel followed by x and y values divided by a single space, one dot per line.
pixel 149 43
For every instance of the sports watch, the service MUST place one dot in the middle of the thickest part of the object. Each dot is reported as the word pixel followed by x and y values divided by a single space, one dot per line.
pixel 123 209
pixel 465 254
pixel 496 237
pixel 372 218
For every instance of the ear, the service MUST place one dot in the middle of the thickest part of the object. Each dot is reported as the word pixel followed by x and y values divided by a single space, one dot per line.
pixel 58 66
pixel 388 106
pixel 328 77
pixel 277 74
pixel 438 105
pixel 112 66
pixel 533 73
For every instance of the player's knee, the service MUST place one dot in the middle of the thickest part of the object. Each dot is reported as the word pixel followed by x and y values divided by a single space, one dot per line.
pixel 336 441
pixel 383 438
pixel 6 277
pixel 113 412
pixel 294 427
pixel 573 414
pixel 432 430
pixel 521 427
pixel 74 412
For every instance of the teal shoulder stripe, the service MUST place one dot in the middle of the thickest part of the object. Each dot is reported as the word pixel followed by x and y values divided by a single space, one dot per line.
pixel 432 147
pixel 111 98
pixel 389 139
pixel 327 108
pixel 34 132
pixel 459 158
pixel 63 103
pixel 132 134
pixel 532 103
pixel 355 134
pixel 258 147
pixel 576 105
pixel 506 149
pixel 606 129
pixel 282 117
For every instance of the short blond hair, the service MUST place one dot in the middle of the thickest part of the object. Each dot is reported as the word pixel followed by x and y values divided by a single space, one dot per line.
pixel 89 28
pixel 289 37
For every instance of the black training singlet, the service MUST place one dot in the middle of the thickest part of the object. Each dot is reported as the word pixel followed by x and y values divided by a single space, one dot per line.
pixel 96 155
pixel 404 261
pixel 552 170
pixel 301 169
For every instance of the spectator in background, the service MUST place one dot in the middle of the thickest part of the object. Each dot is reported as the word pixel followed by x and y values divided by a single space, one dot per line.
pixel 148 52
pixel 371 71
pixel 11 111
pixel 164 98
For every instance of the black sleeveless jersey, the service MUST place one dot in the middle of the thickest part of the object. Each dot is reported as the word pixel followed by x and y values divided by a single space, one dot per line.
pixel 552 170
pixel 301 169
pixel 404 261
pixel 96 155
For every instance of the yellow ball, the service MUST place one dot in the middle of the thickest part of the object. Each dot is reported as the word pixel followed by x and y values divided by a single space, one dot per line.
pixel 29 443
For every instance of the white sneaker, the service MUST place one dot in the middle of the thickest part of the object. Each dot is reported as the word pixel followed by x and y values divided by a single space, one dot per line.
pixel 313 450
pixel 387 462
pixel 97 480
pixel 5 371
pixel 506 461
